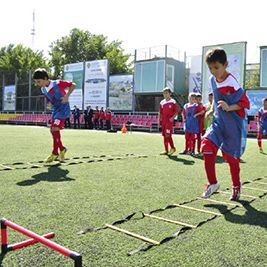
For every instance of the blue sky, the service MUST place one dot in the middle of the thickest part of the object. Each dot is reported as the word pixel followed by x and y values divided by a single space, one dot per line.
pixel 187 25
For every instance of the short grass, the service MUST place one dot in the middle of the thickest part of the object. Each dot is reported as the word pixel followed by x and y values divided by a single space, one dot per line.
pixel 67 199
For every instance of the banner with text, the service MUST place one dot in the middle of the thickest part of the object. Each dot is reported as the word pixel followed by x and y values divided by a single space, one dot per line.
pixel 96 83
pixel 263 66
pixel 75 72
pixel 9 98
pixel 255 98
pixel 195 74
pixel 236 56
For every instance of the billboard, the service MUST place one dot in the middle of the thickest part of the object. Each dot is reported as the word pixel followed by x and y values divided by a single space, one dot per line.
pixel 236 56
pixel 195 74
pixel 9 98
pixel 75 72
pixel 263 66
pixel 96 83
pixel 121 92
pixel 255 97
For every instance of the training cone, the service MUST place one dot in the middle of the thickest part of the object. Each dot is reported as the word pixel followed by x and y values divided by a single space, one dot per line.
pixel 123 129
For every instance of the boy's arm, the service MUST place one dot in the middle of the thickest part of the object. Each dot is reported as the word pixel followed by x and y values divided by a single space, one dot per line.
pixel 222 104
pixel 65 98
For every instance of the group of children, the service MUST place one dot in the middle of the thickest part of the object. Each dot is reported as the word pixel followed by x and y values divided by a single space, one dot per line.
pixel 220 124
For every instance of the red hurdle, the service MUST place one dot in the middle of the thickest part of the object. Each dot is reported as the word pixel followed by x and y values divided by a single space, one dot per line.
pixel 34 239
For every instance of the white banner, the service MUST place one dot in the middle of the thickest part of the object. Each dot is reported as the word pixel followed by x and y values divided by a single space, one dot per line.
pixel 96 83
pixel 74 72
pixel 9 98
pixel 195 74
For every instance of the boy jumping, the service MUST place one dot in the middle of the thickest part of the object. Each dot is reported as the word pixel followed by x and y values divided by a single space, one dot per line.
pixel 228 129
pixel 57 97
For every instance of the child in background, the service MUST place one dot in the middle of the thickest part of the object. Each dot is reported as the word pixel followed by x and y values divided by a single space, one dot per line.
pixel 108 119
pixel 228 129
pixel 191 126
pixel 209 113
pixel 200 117
pixel 262 124
pixel 168 111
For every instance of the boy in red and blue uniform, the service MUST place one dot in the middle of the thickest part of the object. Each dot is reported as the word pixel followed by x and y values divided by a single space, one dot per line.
pixel 191 124
pixel 168 111
pixel 262 124
pixel 57 98
pixel 229 126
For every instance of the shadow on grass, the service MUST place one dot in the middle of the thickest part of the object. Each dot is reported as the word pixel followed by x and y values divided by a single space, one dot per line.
pixel 53 174
pixel 184 161
pixel 1 259
pixel 251 216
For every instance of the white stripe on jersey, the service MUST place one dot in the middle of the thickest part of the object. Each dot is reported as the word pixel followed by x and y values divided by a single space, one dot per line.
pixel 164 102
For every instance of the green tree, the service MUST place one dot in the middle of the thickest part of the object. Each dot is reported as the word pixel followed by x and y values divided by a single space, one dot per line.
pixel 17 61
pixel 81 46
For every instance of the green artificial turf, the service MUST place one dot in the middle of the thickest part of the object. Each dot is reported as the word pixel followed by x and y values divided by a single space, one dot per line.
pixel 114 176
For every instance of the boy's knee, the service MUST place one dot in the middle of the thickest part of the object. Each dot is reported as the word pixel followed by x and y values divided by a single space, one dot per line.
pixel 207 147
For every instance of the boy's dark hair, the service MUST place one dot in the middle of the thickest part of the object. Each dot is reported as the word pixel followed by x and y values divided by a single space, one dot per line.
pixel 216 55
pixel 40 74
pixel 264 99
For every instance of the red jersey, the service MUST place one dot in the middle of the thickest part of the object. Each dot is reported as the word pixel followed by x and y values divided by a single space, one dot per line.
pixel 102 115
pixel 96 114
pixel 108 116
pixel 168 108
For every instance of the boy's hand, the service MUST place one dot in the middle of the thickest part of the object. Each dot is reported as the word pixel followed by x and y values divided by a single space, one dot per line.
pixel 222 104
pixel 49 106
pixel 64 99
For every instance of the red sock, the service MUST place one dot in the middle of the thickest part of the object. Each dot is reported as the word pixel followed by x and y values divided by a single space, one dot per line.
pixel 166 144
pixel 57 142
pixel 209 152
pixel 198 141
pixel 171 142
pixel 193 142
pixel 234 168
pixel 187 141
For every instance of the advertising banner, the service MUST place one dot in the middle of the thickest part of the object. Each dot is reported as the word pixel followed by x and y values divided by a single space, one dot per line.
pixel 263 67
pixel 236 56
pixel 96 83
pixel 195 74
pixel 75 72
pixel 9 98
pixel 121 92
pixel 255 98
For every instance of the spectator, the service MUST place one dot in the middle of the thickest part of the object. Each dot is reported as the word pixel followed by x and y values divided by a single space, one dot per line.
pixel 76 116
pixel 102 118
pixel 96 118
pixel 88 116
pixel 108 119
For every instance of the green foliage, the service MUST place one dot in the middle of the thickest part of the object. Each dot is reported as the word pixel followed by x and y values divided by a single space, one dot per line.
pixel 20 59
pixel 81 46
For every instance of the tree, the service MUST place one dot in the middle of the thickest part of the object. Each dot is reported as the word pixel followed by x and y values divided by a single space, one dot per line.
pixel 82 46
pixel 17 61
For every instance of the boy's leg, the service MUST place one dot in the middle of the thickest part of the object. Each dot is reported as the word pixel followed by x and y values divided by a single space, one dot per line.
pixel 209 151
pixel 259 138
pixel 235 175
pixel 198 141
pixel 234 164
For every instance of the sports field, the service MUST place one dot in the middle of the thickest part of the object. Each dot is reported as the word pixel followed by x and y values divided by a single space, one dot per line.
pixel 108 176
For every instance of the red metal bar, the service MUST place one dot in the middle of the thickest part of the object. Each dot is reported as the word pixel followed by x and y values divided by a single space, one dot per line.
pixel 38 238
pixel 3 237
pixel 28 242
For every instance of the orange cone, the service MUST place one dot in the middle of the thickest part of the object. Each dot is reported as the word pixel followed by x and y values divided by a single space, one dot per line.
pixel 123 129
